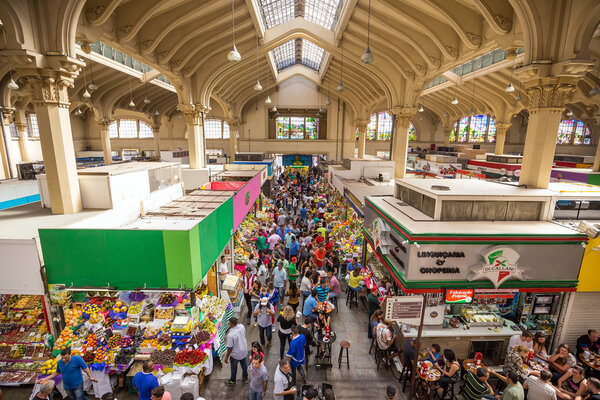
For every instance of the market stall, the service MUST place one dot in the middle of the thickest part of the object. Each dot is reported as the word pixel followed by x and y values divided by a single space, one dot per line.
pixel 482 283
pixel 24 320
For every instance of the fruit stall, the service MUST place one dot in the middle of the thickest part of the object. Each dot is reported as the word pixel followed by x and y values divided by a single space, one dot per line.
pixel 24 317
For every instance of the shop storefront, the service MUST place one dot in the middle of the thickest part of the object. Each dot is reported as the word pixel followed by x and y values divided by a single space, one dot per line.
pixel 482 282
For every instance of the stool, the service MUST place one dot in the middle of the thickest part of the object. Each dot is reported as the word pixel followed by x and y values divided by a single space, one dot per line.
pixel 405 374
pixel 449 391
pixel 351 298
pixel 344 345
pixel 380 354
pixel 372 344
pixel 334 302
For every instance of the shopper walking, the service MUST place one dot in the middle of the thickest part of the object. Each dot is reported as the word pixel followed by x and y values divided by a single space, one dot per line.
pixel 259 378
pixel 264 311
pixel 279 279
pixel 283 382
pixel 286 320
pixel 70 367
pixel 249 279
pixel 296 353
pixel 237 350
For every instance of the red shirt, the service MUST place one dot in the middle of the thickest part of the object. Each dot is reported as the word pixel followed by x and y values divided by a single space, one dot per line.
pixel 319 239
pixel 329 246
pixel 319 257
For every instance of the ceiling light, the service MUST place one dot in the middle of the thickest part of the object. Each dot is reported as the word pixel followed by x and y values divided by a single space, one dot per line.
pixel 277 114
pixel 518 98
pixel 594 91
pixel 510 88
pixel 233 55
pixel 454 100
pixel 340 87
pixel 147 100
pixel 321 110
pixel 569 113
pixel 78 111
pixel 471 111
pixel 92 86
pixel 421 109
pixel 367 56
pixel 274 109
pixel 268 100
pixel 12 85
pixel 131 103
pixel 86 94
pixel 156 113
pixel 328 102
pixel 445 114
pixel 258 86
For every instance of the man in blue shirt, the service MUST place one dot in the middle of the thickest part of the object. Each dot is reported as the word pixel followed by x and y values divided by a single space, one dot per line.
pixel 310 305
pixel 352 264
pixel 70 367
pixel 144 381
pixel 323 290
pixel 296 353
pixel 294 247
pixel 303 212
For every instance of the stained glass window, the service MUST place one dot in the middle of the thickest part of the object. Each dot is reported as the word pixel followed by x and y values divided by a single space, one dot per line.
pixel 572 131
pixel 283 127
pixel 491 136
pixel 453 133
pixel 384 126
pixel 372 128
pixel 296 128
pixel 463 129
pixel 212 129
pixel 478 128
pixel 145 131
pixel 312 128
pixel 565 131
pixel 411 133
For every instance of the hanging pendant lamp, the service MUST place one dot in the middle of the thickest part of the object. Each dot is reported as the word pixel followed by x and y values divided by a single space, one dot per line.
pixel 147 100
pixel 510 88
pixel 234 55
pixel 454 100
pixel 268 100
pixel 367 56
pixel 156 113
pixel 595 90
pixel 340 87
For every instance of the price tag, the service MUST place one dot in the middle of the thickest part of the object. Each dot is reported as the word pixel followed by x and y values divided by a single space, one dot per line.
pixel 22 329
pixel 41 355
pixel 195 346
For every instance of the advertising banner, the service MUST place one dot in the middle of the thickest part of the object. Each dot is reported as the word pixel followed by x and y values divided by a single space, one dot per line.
pixel 244 199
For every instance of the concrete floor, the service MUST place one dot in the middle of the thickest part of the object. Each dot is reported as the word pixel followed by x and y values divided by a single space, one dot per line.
pixel 361 381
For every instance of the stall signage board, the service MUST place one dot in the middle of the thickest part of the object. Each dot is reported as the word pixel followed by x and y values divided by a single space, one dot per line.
pixel 459 296
pixel 499 266
pixel 404 309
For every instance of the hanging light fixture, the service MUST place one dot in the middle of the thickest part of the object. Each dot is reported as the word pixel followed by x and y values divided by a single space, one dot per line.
pixel 131 103
pixel 274 109
pixel 367 56
pixel 454 101
pixel 257 86
pixel 268 100
pixel 78 111
pixel 156 113
pixel 510 88
pixel 569 113
pixel 421 109
pixel 234 55
pixel 595 90
pixel 12 85
pixel 147 100
pixel 328 101
pixel 472 110
pixel 92 86
pixel 519 98
pixel 340 87
pixel 86 94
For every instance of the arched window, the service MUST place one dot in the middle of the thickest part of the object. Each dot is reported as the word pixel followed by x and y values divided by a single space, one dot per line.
pixel 474 129
pixel 216 129
pixel 380 127
pixel 572 131
pixel 128 128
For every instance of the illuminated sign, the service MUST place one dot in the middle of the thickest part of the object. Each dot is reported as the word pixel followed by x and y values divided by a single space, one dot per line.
pixel 459 296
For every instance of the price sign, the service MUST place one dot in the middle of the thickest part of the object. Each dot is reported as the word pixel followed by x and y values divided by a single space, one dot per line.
pixel 404 309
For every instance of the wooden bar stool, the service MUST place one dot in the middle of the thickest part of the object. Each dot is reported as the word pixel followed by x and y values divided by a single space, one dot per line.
pixel 344 345
pixel 351 298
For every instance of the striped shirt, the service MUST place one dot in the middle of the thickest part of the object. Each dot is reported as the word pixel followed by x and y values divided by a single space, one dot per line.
pixel 474 388
pixel 322 292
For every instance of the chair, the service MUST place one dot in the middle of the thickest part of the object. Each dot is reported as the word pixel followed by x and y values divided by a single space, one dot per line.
pixel 449 392
pixel 351 298
pixel 372 344
pixel 406 373
pixel 335 303
pixel 344 345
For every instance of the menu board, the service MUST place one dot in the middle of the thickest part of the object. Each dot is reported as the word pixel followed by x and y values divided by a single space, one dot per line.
pixel 404 309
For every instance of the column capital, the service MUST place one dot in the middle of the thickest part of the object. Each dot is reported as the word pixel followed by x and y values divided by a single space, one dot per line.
pixel 21 127
pixel 191 114
pixel 403 115
pixel 8 112
pixel 361 124
pixel 549 95
pixel 502 127
pixel 234 123
pixel 104 123
pixel 50 87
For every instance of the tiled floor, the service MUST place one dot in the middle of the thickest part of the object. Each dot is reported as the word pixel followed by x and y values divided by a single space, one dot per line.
pixel 361 381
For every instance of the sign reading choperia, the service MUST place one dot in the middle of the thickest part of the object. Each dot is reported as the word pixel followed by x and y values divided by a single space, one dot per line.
pixel 500 265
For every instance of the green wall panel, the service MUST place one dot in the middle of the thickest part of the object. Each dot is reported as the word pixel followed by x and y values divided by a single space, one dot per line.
pixel 177 258
pixel 215 232
pixel 94 257
pixel 594 179
pixel 195 256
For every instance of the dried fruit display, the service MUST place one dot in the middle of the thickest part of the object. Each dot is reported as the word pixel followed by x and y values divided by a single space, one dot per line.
pixel 163 357
pixel 114 341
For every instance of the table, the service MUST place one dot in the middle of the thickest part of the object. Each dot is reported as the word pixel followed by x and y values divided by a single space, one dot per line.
pixel 469 365
pixel 424 387
pixel 327 357
pixel 588 364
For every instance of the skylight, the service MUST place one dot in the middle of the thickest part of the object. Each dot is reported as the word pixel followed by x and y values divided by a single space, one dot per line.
pixel 322 12
pixel 299 51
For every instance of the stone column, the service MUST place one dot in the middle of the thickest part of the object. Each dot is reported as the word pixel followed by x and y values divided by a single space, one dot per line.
pixel 361 125
pixel 193 119
pixel 234 127
pixel 155 132
pixel 402 116
pixel 21 125
pixel 50 99
pixel 501 129
pixel 596 166
pixel 545 102
pixel 4 151
pixel 447 129
pixel 104 123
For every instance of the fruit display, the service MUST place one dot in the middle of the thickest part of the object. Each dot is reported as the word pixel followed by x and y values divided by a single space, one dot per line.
pixel 18 377
pixel 126 342
pixel 135 309
pixel 167 299
pixel 119 307
pixel 151 332
pixel 101 354
pixel 72 317
pixel 49 366
pixel 201 337
pixel 89 356
pixel 150 343
pixel 209 326
pixel 215 306
pixel 96 318
pixel 89 309
pixel 163 357
pixel 190 357
pixel 64 340
pixel 164 339
pixel 164 313
pixel 107 305
pixel 91 342
pixel 124 356
pixel 114 341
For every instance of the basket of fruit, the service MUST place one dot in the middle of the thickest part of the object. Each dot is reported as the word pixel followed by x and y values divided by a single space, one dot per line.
pixel 167 300
pixel 119 310
pixel 189 358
